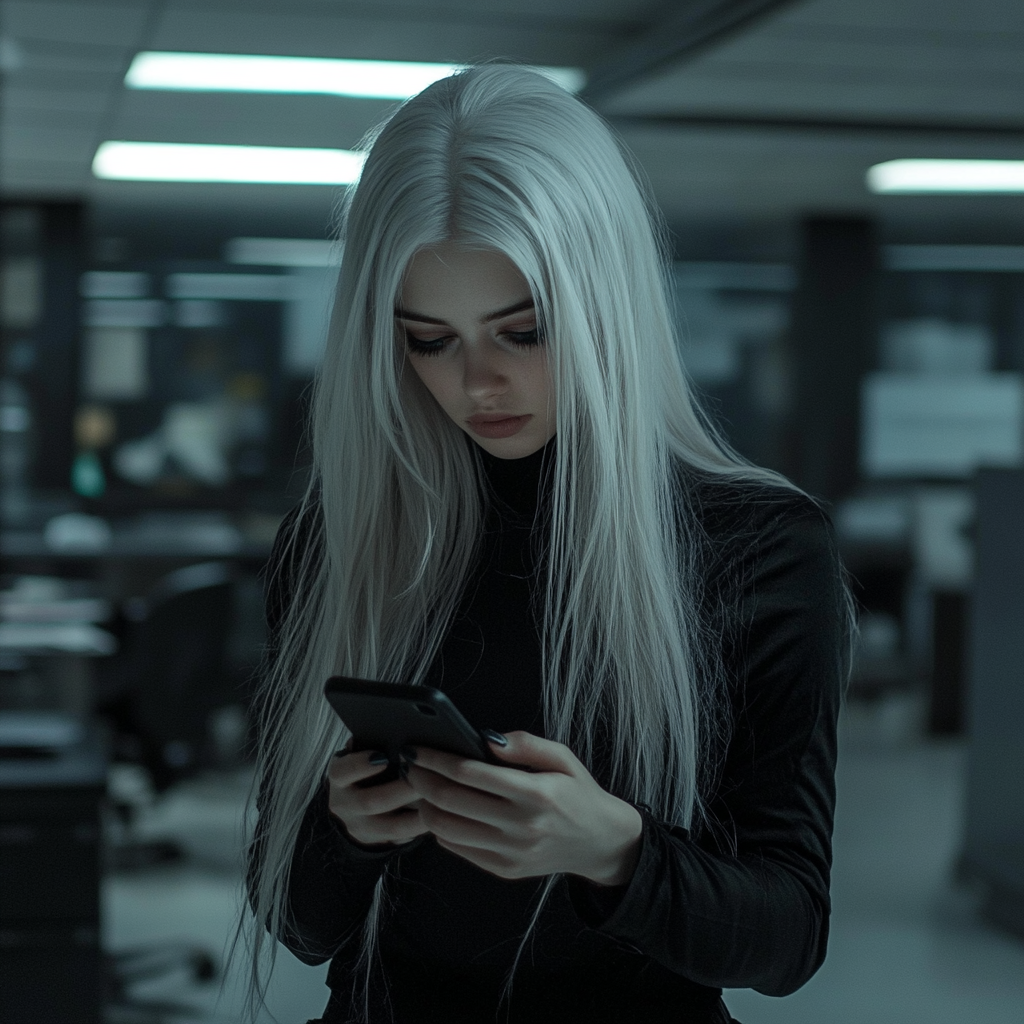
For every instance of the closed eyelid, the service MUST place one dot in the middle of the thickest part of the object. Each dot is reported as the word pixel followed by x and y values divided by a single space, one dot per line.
pixel 428 332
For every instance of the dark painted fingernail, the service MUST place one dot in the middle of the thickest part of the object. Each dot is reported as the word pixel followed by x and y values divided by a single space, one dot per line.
pixel 340 753
pixel 377 758
pixel 409 753
pixel 495 737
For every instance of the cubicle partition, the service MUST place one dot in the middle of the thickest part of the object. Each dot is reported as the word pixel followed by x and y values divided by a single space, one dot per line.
pixel 994 827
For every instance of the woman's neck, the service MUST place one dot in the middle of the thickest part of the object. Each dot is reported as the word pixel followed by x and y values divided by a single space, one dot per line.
pixel 520 483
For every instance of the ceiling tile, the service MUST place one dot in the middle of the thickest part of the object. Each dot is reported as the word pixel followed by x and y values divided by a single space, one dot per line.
pixel 903 54
pixel 898 60
pixel 67 81
pixel 20 142
pixel 609 15
pixel 26 100
pixel 820 59
pixel 52 122
pixel 34 179
pixel 246 119
pixel 47 57
pixel 844 97
pixel 427 37
pixel 77 22
pixel 995 16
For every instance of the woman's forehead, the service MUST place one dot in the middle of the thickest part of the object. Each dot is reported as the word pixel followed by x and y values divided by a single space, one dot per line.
pixel 454 273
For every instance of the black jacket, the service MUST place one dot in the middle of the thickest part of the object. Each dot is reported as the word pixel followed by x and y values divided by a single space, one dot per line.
pixel 743 903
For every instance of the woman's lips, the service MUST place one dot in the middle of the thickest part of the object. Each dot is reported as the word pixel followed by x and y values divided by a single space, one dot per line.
pixel 496 425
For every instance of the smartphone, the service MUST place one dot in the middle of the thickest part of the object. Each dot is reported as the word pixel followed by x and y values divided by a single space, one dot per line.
pixel 388 716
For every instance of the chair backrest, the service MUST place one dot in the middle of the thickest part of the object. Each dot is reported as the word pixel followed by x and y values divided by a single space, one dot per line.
pixel 177 651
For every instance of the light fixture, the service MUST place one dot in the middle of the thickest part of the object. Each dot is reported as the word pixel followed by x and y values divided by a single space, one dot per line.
pixel 983 258
pixel 170 161
pixel 931 176
pixel 244 287
pixel 241 72
pixel 283 252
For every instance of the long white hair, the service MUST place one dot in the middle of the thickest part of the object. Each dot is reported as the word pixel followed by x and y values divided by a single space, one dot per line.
pixel 499 157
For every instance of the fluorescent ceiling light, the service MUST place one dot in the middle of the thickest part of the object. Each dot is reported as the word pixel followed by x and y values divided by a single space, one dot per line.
pixel 283 252
pixel 124 313
pixel 113 284
pixel 170 161
pixel 921 176
pixel 761 277
pixel 247 287
pixel 238 72
pixel 984 258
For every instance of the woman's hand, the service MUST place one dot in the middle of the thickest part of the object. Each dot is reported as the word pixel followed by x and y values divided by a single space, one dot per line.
pixel 376 814
pixel 518 824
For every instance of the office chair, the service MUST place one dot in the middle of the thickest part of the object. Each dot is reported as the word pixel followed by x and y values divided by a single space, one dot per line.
pixel 157 696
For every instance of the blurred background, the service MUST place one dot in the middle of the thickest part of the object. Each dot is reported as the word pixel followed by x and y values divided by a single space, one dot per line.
pixel 844 186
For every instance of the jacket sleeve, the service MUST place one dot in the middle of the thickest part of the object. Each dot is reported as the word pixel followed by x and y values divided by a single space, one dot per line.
pixel 745 903
pixel 332 879
pixel 330 885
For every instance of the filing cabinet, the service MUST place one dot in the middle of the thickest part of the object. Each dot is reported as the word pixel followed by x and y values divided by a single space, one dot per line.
pixel 52 780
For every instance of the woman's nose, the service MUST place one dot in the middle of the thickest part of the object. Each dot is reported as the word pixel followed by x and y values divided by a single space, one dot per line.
pixel 482 375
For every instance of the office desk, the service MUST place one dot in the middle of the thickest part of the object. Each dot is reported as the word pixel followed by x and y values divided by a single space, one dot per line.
pixel 55 623
pixel 122 560
pixel 131 555
pixel 138 541
pixel 64 650
pixel 52 779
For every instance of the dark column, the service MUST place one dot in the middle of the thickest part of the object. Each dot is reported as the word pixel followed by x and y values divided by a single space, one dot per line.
pixel 994 806
pixel 949 626
pixel 55 383
pixel 834 342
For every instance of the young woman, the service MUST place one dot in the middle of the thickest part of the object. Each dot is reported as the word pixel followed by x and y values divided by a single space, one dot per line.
pixel 516 500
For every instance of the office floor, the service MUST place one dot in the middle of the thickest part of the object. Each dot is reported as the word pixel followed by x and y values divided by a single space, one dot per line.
pixel 906 944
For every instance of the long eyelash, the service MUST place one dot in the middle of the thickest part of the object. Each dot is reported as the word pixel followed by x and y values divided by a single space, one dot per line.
pixel 526 339
pixel 423 348
pixel 522 339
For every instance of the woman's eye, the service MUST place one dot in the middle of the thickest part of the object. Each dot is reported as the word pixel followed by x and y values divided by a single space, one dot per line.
pixel 426 346
pixel 526 338
pixel 435 346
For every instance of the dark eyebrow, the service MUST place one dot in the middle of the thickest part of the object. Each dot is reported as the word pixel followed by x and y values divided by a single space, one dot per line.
pixel 516 307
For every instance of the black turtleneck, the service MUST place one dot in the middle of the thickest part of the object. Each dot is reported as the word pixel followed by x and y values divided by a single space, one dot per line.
pixel 489 663
pixel 519 485
pixel 744 904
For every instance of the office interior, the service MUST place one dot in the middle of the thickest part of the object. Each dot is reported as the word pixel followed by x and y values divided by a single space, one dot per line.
pixel 159 340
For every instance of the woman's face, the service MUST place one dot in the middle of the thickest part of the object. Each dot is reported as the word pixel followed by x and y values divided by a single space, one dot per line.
pixel 472 337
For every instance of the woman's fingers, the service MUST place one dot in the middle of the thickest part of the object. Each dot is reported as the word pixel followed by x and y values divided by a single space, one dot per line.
pixel 346 792
pixel 465 802
pixel 371 814
pixel 452 830
pixel 504 780
pixel 401 826
pixel 456 798
pixel 542 755
pixel 345 769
